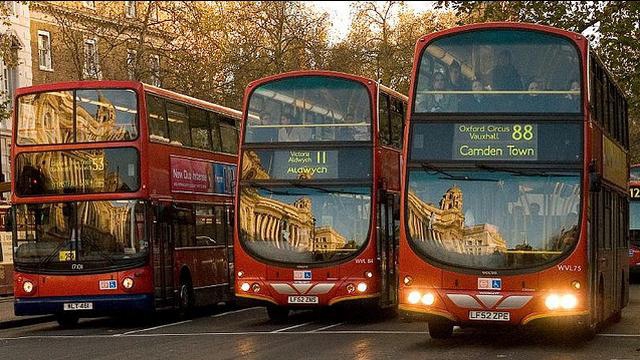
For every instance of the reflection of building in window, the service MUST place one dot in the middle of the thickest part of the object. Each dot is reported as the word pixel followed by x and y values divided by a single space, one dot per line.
pixel 445 226
pixel 327 239
pixel 263 219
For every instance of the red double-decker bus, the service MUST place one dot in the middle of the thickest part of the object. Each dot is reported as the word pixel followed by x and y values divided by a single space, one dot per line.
pixel 318 191
pixel 634 220
pixel 122 199
pixel 515 187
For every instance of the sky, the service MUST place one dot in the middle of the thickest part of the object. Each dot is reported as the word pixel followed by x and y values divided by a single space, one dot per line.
pixel 340 14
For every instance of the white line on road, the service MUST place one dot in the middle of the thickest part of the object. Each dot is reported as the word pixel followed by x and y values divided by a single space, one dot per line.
pixel 234 312
pixel 245 333
pixel 326 327
pixel 152 328
pixel 292 327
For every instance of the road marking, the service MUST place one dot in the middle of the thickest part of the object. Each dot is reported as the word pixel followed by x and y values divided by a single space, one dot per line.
pixel 235 311
pixel 153 328
pixel 245 333
pixel 619 335
pixel 292 327
pixel 326 327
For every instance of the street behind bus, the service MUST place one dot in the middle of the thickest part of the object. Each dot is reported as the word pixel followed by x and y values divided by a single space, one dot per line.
pixel 228 333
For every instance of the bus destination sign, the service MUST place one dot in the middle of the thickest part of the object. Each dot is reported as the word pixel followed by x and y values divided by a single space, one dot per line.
pixel 306 164
pixel 495 142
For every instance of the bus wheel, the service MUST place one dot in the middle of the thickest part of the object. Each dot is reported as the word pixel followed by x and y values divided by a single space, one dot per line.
pixel 440 329
pixel 185 301
pixel 277 314
pixel 67 320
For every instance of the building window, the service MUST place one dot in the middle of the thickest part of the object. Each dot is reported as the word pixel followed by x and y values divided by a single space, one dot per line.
pixel 130 9
pixel 91 66
pixel 44 50
pixel 131 64
pixel 7 83
pixel 89 4
pixel 153 11
pixel 155 70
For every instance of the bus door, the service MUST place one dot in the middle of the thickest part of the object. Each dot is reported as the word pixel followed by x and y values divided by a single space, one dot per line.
pixel 162 247
pixel 387 246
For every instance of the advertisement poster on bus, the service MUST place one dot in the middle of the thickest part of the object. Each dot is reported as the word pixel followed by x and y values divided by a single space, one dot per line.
pixel 201 176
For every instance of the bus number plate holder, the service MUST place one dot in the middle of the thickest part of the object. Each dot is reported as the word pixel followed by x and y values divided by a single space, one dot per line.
pixel 489 315
pixel 302 300
pixel 78 306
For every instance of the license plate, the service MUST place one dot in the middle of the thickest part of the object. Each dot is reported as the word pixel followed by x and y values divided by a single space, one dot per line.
pixel 302 300
pixel 489 315
pixel 78 306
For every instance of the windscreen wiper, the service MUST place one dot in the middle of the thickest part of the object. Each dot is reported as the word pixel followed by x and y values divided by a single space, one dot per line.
pixel 269 190
pixel 518 172
pixel 102 253
pixel 301 185
pixel 426 166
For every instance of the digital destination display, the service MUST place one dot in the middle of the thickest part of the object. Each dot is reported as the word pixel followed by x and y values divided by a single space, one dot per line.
pixel 307 164
pixel 495 142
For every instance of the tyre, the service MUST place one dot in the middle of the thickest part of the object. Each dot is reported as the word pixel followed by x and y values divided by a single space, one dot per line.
pixel 277 314
pixel 186 300
pixel 440 329
pixel 67 320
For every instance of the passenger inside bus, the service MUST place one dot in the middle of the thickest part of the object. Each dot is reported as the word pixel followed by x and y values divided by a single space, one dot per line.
pixel 456 80
pixel 476 102
pixel 438 102
pixel 289 132
pixel 533 101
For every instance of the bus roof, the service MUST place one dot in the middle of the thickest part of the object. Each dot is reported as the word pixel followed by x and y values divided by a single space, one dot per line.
pixel 337 74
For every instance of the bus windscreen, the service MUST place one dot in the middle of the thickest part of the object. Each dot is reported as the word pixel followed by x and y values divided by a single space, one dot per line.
pixel 309 108
pixel 80 116
pixel 88 171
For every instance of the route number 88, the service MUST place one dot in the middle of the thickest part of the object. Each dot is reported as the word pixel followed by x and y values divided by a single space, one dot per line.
pixel 518 133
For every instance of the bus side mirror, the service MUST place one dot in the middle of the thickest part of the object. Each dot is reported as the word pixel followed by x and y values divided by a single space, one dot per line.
pixel 595 181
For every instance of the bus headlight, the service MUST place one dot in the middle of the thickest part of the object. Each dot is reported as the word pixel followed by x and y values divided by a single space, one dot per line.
pixel 568 301
pixel 245 287
pixel 414 297
pixel 27 286
pixel 428 299
pixel 127 283
pixel 552 301
pixel 362 287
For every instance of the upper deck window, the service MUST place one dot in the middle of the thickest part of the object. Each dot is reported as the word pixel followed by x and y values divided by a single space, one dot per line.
pixel 499 71
pixel 309 108
pixel 100 115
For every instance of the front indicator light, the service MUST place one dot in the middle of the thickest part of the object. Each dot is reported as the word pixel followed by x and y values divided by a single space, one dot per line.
pixel 245 287
pixel 127 283
pixel 407 280
pixel 362 287
pixel 27 286
pixel 552 302
pixel 351 288
pixel 240 274
pixel 428 299
pixel 414 297
pixel 255 287
pixel 569 301
pixel 576 284
pixel 368 274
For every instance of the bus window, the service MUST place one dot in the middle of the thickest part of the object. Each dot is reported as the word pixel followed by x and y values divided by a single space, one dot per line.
pixel 397 122
pixel 229 135
pixel 214 125
pixel 178 124
pixel 157 119
pixel 200 135
pixel 183 226
pixel 45 118
pixel 512 69
pixel 219 219
pixel 383 116
pixel 106 115
pixel 206 227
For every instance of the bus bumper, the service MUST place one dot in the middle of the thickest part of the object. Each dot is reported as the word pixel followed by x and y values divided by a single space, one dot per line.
pixel 100 305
